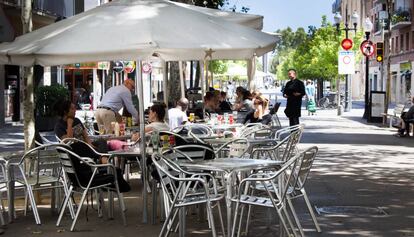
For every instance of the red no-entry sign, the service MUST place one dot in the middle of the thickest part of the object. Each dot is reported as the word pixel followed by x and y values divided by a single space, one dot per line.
pixel 346 44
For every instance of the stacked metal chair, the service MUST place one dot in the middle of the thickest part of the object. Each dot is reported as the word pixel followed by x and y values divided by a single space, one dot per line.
pixel 182 189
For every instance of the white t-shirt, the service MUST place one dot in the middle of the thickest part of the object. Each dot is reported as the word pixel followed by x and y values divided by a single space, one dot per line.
pixel 176 117
pixel 158 126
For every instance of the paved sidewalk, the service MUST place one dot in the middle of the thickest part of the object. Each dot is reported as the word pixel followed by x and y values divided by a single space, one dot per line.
pixel 358 164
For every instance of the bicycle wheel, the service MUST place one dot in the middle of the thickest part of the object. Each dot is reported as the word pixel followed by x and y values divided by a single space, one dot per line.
pixel 323 103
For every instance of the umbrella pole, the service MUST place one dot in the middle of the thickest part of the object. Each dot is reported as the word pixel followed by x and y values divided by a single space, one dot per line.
pixel 182 81
pixel 165 81
pixel 203 85
pixel 138 78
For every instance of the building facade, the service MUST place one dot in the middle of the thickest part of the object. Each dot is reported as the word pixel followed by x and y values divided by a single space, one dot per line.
pixel 44 12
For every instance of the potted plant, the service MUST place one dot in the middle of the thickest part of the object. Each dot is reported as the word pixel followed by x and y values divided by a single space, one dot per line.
pixel 46 98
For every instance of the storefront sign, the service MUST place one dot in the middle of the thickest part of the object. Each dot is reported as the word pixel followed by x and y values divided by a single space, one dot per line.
pixel 129 66
pixel 90 65
pixel 146 68
pixel 118 66
pixel 103 65
pixel 405 66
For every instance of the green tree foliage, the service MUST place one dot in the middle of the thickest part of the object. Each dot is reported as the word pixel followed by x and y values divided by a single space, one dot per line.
pixel 218 66
pixel 315 55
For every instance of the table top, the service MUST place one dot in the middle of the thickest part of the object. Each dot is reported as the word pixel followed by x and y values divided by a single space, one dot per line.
pixel 230 164
pixel 132 151
pixel 109 137
pixel 252 141
pixel 8 155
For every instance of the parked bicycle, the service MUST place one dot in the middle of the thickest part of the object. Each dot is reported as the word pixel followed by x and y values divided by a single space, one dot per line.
pixel 331 101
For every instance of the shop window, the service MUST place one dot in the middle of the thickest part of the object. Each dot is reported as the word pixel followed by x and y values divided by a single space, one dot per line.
pixel 407 41
pixel 396 45
pixel 412 39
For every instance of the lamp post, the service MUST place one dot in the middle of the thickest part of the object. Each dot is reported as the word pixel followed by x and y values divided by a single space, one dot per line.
pixel 367 27
pixel 354 22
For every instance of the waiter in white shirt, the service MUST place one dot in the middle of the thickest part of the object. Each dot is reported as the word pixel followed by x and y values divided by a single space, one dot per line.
pixel 115 99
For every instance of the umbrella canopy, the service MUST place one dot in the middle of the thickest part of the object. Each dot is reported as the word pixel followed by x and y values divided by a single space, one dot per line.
pixel 136 29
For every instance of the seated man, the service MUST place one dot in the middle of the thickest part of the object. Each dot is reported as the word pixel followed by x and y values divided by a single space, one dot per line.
pixel 177 115
pixel 406 119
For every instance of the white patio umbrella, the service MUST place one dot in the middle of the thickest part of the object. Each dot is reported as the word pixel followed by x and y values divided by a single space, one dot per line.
pixel 136 30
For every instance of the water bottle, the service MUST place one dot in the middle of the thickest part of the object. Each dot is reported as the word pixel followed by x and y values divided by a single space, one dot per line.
pixel 155 141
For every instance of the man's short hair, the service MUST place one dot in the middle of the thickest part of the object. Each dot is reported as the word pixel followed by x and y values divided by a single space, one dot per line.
pixel 183 102
pixel 292 69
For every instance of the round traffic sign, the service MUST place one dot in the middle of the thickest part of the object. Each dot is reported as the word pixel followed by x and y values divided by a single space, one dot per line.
pixel 367 48
pixel 346 44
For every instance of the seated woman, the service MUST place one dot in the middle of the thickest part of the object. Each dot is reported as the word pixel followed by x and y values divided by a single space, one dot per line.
pixel 70 127
pixel 157 118
pixel 246 104
pixel 225 105
pixel 261 112
pixel 157 123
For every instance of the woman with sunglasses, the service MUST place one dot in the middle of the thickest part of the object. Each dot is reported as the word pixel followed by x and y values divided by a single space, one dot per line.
pixel 260 114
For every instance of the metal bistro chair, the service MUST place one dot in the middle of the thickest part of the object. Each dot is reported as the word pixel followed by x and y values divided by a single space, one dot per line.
pixel 285 148
pixel 40 169
pixel 181 191
pixel 297 187
pixel 198 131
pixel 72 165
pixel 270 196
pixel 237 147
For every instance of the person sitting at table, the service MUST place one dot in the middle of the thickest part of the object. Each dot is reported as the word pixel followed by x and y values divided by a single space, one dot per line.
pixel 70 127
pixel 246 103
pixel 261 112
pixel 177 115
pixel 224 105
pixel 210 103
pixel 157 118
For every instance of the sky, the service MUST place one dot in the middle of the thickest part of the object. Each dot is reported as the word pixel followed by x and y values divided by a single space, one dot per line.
pixel 279 14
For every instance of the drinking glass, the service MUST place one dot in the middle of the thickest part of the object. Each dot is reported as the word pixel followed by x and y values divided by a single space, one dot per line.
pixel 101 129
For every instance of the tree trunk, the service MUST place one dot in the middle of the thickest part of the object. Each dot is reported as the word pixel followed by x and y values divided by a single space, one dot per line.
pixel 197 75
pixel 174 86
pixel 28 97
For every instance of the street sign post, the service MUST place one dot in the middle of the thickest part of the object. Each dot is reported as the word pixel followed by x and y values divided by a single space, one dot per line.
pixel 367 48
pixel 346 44
pixel 346 62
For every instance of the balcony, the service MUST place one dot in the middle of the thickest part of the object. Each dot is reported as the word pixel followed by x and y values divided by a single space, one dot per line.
pixel 336 6
pixel 379 25
pixel 401 18
pixel 46 7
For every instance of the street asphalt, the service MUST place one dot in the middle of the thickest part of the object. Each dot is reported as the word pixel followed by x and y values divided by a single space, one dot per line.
pixel 361 182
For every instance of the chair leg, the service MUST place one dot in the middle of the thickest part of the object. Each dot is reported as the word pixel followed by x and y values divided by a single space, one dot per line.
pixel 154 201
pixel 221 218
pixel 289 221
pixel 26 203
pixel 65 203
pixel 210 215
pixel 166 226
pixel 282 219
pixel 79 208
pixel 122 207
pixel 312 213
pixel 33 204
pixel 2 222
pixel 235 219
pixel 295 216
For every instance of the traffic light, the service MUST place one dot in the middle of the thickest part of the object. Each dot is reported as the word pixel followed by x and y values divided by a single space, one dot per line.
pixel 380 51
